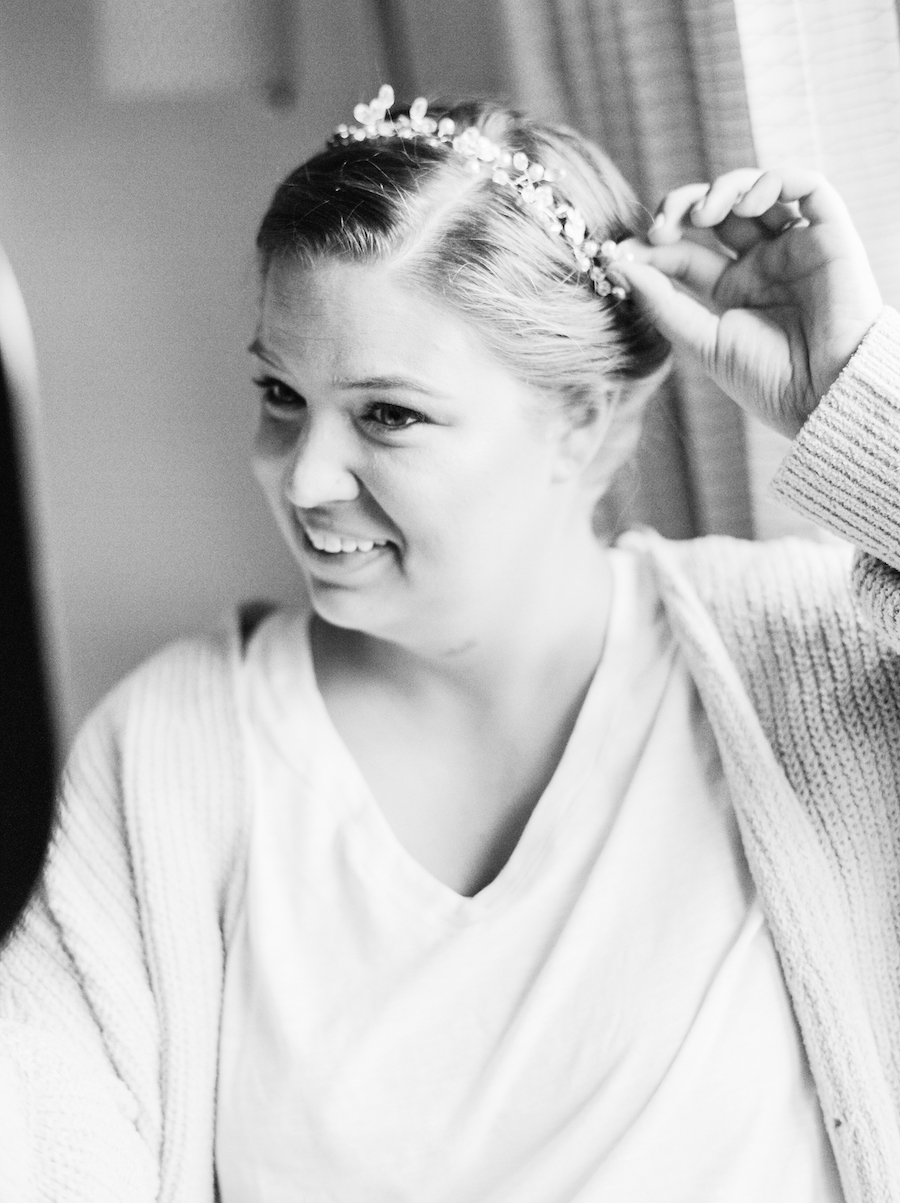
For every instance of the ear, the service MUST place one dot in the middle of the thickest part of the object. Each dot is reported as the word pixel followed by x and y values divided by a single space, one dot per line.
pixel 588 449
pixel 581 434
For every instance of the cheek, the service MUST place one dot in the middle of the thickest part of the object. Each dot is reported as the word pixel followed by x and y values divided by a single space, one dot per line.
pixel 469 506
pixel 505 478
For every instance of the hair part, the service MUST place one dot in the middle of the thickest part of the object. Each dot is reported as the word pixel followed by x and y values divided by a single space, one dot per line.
pixel 474 246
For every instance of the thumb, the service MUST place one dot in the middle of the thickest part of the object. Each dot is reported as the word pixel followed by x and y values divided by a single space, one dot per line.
pixel 686 323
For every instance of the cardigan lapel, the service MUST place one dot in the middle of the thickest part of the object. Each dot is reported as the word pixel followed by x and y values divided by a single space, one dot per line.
pixel 804 911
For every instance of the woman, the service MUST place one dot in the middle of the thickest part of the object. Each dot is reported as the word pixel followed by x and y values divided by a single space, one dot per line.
pixel 509 866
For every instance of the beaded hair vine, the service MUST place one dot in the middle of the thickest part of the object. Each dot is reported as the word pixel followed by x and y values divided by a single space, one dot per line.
pixel 532 184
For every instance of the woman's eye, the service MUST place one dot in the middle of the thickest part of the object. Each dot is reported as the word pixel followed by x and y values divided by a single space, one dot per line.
pixel 392 417
pixel 279 398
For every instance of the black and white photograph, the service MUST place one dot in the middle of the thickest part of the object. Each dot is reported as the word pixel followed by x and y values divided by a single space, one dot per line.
pixel 450 634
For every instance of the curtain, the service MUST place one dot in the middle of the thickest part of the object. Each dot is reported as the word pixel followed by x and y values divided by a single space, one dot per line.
pixel 823 89
pixel 681 90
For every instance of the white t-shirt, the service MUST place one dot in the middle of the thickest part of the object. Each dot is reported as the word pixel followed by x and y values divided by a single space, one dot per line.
pixel 606 1021
pixel 17 1180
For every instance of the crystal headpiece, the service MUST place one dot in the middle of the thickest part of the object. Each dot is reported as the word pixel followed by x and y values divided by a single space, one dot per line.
pixel 532 184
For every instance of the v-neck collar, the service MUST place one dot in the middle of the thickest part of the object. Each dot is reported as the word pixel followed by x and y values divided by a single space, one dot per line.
pixel 298 718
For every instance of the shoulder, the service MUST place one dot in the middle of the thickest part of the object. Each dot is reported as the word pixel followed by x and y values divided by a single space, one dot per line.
pixel 781 598
pixel 746 587
pixel 181 709
pixel 159 763
pixel 192 679
pixel 181 672
pixel 794 582
pixel 791 621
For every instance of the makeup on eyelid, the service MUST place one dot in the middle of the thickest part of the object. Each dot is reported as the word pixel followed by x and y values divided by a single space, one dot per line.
pixel 403 416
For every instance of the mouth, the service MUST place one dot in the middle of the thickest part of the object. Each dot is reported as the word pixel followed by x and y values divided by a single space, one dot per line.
pixel 340 553
pixel 331 544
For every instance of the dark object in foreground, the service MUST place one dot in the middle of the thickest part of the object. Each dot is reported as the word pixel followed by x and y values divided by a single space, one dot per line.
pixel 27 753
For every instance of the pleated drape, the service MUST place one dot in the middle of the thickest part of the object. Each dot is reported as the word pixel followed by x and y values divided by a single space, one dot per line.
pixel 659 84
pixel 681 90
pixel 823 90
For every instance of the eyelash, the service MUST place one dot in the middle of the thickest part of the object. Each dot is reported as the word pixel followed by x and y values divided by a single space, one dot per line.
pixel 411 417
pixel 283 403
pixel 270 388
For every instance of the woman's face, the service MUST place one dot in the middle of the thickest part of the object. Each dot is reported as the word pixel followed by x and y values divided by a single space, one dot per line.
pixel 420 486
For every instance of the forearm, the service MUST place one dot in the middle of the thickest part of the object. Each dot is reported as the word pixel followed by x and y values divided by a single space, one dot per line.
pixel 843 470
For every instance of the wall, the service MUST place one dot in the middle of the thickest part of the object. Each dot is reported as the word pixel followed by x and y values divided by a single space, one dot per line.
pixel 129 224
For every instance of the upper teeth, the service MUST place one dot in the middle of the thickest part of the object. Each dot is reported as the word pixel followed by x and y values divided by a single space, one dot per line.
pixel 335 543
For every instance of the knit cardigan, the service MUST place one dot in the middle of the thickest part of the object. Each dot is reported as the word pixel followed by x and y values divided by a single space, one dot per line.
pixel 111 987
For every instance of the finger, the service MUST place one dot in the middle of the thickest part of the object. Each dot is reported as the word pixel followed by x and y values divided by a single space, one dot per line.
pixel 673 211
pixel 696 267
pixel 682 320
pixel 744 208
pixel 742 218
pixel 817 200
pixel 739 234
pixel 723 195
pixel 764 202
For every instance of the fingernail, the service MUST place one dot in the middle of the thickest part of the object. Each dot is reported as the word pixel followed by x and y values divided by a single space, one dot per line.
pixel 697 206
pixel 658 220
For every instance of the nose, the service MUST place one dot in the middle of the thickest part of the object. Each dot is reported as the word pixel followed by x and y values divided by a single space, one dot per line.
pixel 319 472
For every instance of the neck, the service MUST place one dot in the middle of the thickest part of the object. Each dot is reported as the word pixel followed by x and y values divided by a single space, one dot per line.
pixel 544 637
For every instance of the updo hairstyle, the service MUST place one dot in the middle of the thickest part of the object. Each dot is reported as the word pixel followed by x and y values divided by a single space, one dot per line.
pixel 473 245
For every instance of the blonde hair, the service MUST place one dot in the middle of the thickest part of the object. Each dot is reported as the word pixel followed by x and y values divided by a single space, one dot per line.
pixel 474 245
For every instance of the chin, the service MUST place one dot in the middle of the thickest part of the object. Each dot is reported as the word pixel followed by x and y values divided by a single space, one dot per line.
pixel 347 608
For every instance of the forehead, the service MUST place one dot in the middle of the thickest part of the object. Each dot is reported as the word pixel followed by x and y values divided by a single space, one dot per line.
pixel 340 316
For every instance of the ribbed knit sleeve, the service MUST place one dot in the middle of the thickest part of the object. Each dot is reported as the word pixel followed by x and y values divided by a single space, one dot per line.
pixel 77 1019
pixel 110 988
pixel 843 470
pixel 844 467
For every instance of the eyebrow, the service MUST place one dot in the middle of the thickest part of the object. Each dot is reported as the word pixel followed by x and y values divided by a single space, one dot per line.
pixel 258 349
pixel 386 382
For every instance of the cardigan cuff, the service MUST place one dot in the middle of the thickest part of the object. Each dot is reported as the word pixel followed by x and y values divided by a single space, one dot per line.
pixel 843 468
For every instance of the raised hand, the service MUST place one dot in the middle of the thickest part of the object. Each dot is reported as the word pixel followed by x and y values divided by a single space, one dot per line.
pixel 775 314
